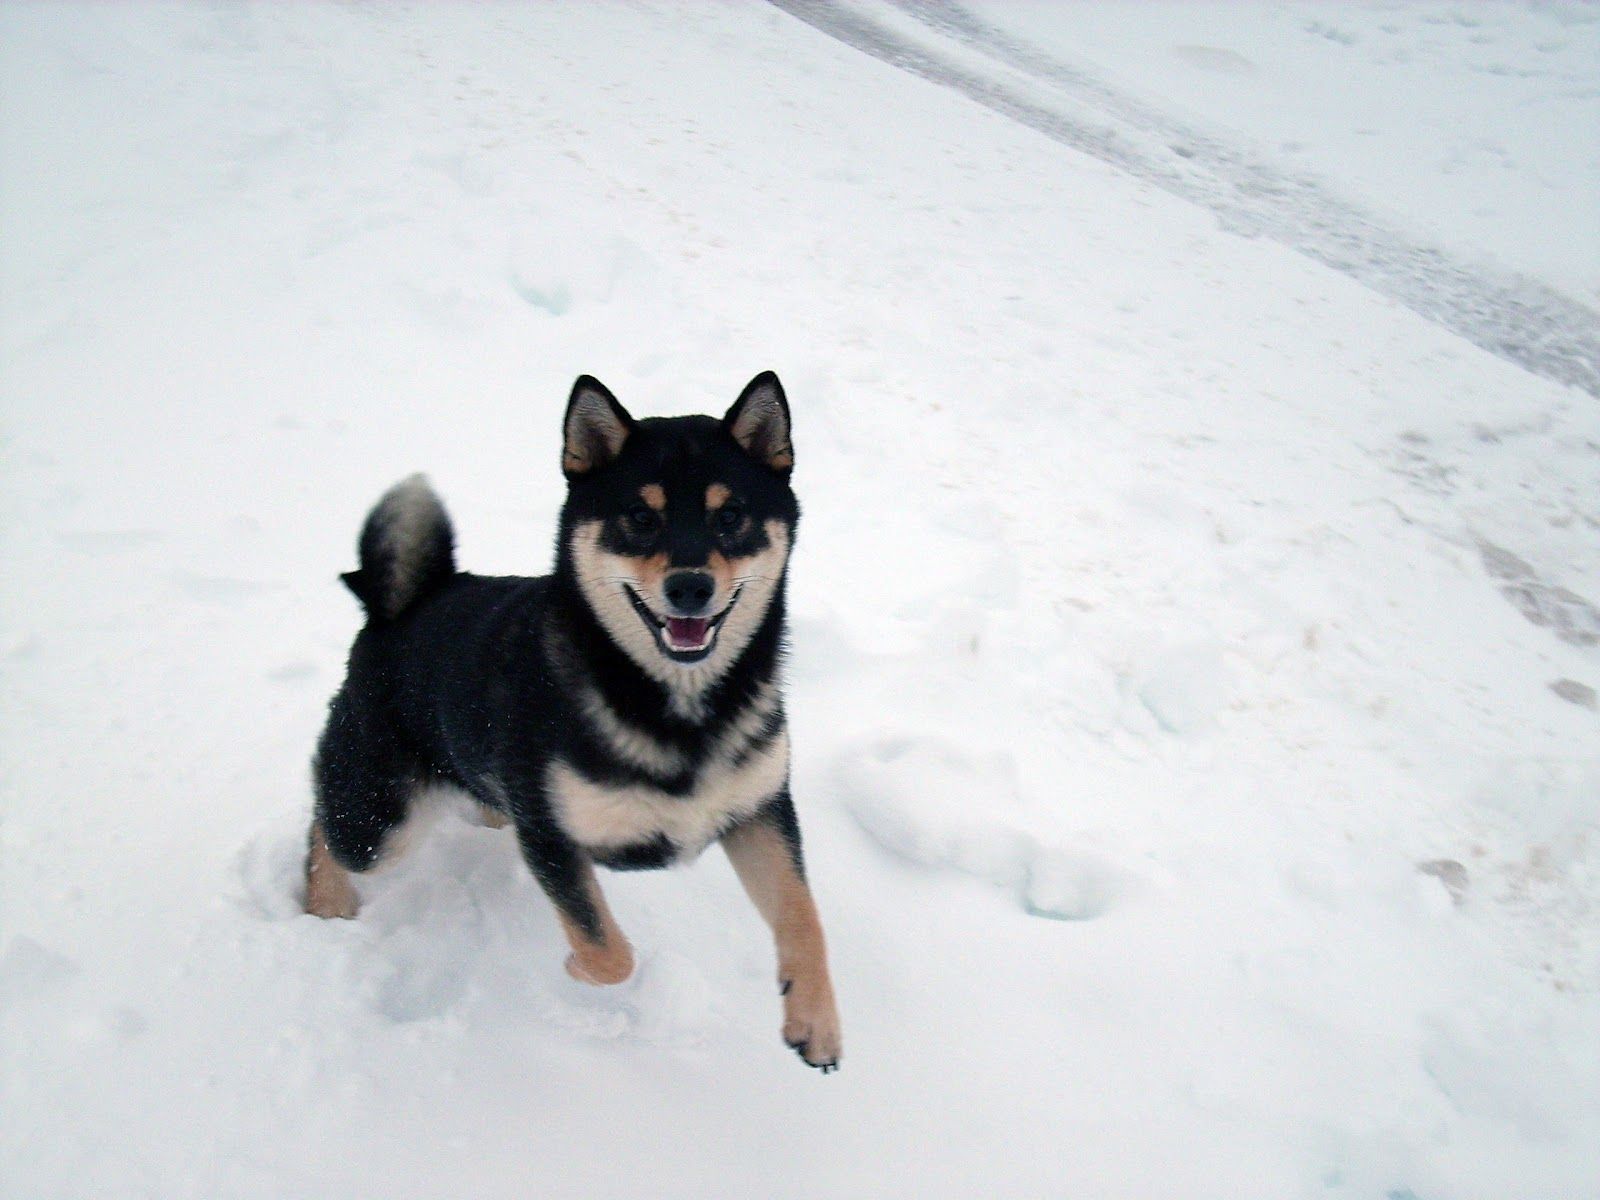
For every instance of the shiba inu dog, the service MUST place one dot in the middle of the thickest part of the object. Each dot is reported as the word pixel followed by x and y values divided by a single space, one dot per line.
pixel 625 711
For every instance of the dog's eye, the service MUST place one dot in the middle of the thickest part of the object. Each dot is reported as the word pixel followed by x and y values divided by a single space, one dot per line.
pixel 643 519
pixel 729 517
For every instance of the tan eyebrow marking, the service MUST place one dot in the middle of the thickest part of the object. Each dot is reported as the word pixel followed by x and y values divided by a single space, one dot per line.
pixel 654 495
pixel 717 495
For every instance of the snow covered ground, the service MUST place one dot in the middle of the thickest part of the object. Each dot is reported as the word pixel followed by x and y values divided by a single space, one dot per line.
pixel 1418 238
pixel 1476 125
pixel 1195 649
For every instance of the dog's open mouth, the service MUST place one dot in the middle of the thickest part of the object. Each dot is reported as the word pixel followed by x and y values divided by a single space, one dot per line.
pixel 682 639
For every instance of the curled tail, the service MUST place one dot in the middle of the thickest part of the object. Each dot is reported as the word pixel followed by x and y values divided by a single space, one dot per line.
pixel 407 547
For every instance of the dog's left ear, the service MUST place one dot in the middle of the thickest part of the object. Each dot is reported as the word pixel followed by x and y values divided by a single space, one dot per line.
pixel 595 427
pixel 759 422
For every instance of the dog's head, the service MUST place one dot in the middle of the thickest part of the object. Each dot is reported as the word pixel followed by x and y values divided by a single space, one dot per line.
pixel 678 529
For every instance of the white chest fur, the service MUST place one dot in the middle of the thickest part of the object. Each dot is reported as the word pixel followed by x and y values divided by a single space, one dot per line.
pixel 607 816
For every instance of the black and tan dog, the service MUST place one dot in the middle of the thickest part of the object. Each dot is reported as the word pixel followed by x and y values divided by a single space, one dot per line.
pixel 624 711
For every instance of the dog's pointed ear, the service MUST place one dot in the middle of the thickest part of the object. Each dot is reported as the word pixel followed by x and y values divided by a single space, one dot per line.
pixel 356 581
pixel 759 422
pixel 595 428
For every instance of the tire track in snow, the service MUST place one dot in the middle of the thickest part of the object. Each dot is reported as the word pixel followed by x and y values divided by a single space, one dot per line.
pixel 1506 314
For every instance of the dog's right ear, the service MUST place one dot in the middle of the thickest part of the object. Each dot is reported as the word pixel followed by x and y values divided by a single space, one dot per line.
pixel 595 428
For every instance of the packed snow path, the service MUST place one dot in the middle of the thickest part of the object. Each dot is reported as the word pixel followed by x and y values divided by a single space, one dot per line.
pixel 1513 316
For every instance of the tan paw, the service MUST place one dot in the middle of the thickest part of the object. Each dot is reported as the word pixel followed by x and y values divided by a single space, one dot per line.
pixel 329 891
pixel 811 1023
pixel 333 897
pixel 490 818
pixel 602 967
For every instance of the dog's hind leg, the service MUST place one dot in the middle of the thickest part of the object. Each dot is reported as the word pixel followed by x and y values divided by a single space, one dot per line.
pixel 329 891
pixel 364 786
pixel 600 950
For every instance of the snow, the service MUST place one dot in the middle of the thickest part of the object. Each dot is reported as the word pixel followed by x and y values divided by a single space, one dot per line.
pixel 1477 125
pixel 1505 313
pixel 1190 641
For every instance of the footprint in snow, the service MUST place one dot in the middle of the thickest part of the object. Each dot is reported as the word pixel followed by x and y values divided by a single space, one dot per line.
pixel 270 869
pixel 666 1001
pixel 927 802
pixel 415 974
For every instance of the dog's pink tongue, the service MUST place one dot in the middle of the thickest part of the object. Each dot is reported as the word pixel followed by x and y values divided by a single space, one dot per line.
pixel 688 633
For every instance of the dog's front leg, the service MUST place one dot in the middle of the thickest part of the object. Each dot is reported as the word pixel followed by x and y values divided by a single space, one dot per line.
pixel 765 852
pixel 600 950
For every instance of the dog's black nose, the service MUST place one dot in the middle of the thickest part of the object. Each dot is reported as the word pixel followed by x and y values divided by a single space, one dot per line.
pixel 688 592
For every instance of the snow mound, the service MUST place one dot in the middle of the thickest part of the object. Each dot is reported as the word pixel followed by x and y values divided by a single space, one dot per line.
pixel 927 802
